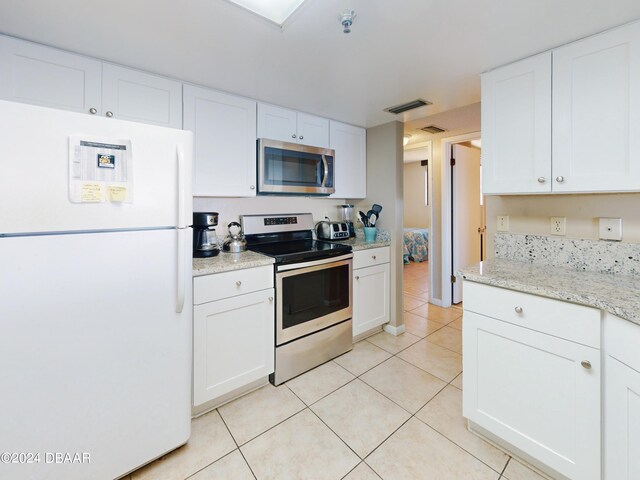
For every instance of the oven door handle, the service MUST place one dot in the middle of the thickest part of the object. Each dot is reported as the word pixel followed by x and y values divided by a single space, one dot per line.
pixel 313 263
pixel 326 171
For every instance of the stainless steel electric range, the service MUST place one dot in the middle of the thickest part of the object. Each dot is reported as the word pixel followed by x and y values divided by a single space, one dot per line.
pixel 313 291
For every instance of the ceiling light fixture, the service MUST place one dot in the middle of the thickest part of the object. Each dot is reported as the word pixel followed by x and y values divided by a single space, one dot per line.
pixel 405 139
pixel 276 11
pixel 346 19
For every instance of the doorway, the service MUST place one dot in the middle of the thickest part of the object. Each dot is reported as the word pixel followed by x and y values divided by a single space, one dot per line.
pixel 416 237
pixel 463 217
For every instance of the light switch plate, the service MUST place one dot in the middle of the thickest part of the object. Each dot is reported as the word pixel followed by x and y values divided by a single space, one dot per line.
pixel 610 228
pixel 503 223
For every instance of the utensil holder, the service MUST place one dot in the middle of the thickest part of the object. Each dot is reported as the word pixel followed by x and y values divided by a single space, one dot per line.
pixel 370 234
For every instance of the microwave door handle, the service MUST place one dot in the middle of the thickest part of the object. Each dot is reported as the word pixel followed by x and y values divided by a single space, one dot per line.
pixel 326 171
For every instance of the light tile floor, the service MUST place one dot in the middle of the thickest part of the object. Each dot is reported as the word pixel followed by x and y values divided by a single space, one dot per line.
pixel 389 409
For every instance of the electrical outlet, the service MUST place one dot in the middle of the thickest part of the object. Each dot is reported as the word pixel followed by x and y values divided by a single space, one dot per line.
pixel 559 226
pixel 503 223
pixel 610 228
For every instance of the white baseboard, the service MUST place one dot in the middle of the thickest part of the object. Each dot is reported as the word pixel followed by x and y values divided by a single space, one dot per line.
pixel 436 301
pixel 394 330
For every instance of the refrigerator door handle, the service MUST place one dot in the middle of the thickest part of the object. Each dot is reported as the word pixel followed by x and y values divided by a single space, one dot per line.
pixel 180 290
pixel 182 190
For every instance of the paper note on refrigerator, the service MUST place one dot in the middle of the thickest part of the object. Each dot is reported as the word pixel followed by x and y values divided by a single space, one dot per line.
pixel 117 193
pixel 91 192
pixel 103 162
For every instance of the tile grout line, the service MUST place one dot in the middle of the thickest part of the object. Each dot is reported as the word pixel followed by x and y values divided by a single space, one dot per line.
pixel 237 445
pixel 504 469
pixel 464 449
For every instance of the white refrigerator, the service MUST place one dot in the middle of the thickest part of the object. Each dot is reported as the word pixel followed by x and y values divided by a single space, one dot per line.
pixel 95 293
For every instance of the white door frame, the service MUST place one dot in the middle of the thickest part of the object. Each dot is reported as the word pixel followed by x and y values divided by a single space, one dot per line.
pixel 445 213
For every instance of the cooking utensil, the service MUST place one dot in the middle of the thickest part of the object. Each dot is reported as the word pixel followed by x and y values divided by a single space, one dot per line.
pixel 363 218
pixel 369 213
pixel 235 242
pixel 373 219
pixel 377 209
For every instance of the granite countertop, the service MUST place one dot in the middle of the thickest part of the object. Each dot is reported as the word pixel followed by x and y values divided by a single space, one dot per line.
pixel 225 262
pixel 359 243
pixel 383 239
pixel 616 294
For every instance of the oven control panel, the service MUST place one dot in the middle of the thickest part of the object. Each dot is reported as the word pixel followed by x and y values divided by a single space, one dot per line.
pixel 270 221
pixel 276 223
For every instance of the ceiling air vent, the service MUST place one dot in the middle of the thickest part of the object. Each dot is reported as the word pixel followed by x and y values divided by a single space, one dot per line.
pixel 407 106
pixel 432 129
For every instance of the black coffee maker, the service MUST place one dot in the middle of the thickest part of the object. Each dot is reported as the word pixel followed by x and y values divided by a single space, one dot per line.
pixel 205 240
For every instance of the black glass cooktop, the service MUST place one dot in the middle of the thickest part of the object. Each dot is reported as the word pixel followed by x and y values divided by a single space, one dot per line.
pixel 299 250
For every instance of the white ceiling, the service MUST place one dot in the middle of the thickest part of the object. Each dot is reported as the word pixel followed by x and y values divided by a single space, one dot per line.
pixel 398 50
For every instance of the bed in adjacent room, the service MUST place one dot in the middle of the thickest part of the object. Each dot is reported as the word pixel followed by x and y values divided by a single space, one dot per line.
pixel 416 244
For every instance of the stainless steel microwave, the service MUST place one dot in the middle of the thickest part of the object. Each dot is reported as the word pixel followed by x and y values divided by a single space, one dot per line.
pixel 291 168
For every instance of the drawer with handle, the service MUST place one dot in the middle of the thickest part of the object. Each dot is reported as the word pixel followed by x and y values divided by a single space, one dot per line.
pixel 577 323
pixel 209 288
pixel 370 257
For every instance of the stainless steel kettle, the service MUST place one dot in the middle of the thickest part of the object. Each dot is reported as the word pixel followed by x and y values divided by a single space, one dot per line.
pixel 235 241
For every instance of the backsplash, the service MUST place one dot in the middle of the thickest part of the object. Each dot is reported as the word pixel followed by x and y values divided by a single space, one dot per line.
pixel 578 254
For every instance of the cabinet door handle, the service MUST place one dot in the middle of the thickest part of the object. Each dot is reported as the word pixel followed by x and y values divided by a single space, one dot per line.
pixel 270 299
pixel 518 309
pixel 293 136
pixel 301 137
pixel 373 256
pixel 109 114
pixel 560 179
pixel 357 277
pixel 93 110
pixel 252 187
pixel 541 179
pixel 238 283
pixel 586 364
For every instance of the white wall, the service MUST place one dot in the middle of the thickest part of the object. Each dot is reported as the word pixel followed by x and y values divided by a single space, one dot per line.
pixel 231 208
pixel 384 187
pixel 416 213
pixel 530 214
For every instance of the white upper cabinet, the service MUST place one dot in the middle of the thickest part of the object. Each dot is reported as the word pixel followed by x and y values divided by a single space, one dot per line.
pixel 574 130
pixel 224 127
pixel 277 123
pixel 596 113
pixel 313 130
pixel 32 73
pixel 350 145
pixel 516 127
pixel 141 97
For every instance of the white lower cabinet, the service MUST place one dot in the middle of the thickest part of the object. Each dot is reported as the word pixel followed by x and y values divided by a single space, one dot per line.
pixel 536 392
pixel 370 289
pixel 622 399
pixel 233 343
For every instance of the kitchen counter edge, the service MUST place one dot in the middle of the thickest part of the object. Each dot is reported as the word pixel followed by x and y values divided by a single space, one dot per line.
pixel 616 294
pixel 226 262
pixel 360 244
